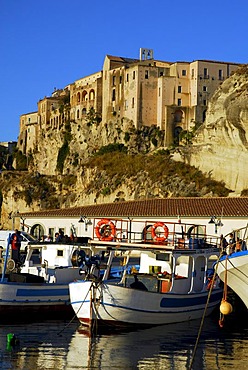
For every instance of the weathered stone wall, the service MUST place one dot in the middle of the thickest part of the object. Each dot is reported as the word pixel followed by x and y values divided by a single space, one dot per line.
pixel 221 144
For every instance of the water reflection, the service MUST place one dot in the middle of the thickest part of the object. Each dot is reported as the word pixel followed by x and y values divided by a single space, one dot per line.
pixel 60 345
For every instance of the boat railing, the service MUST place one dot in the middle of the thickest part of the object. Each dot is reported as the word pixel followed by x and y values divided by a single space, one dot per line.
pixel 239 238
pixel 172 235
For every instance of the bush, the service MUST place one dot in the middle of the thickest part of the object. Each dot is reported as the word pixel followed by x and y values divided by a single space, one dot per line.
pixel 62 154
pixel 110 148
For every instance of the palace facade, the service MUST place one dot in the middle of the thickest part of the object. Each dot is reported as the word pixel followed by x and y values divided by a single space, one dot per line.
pixel 171 95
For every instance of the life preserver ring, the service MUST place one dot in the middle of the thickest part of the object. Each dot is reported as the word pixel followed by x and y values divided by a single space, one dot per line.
pixel 162 236
pixel 10 265
pixel 105 230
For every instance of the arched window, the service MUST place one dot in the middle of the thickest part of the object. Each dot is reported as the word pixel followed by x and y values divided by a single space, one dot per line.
pixel 78 97
pixel 37 231
pixel 83 111
pixel 84 95
pixel 78 113
pixel 92 95
pixel 178 116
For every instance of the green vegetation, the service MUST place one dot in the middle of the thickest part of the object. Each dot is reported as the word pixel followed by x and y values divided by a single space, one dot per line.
pixel 111 148
pixel 244 193
pixel 64 151
pixel 93 117
pixel 69 180
pixel 37 188
pixel 115 167
pixel 21 161
pixel 1 199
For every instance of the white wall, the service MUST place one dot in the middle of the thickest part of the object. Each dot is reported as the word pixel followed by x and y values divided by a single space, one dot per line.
pixel 229 224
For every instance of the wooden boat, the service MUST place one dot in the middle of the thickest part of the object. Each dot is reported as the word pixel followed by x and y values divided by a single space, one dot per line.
pixel 173 282
pixel 232 268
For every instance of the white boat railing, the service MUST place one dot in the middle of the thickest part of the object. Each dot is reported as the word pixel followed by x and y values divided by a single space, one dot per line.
pixel 172 235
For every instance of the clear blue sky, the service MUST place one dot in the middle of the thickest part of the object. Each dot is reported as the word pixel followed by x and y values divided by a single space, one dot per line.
pixel 51 43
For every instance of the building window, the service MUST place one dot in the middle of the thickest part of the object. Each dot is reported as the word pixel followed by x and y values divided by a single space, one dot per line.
pixel 184 73
pixel 92 95
pixel 113 95
pixel 146 74
pixel 133 75
pixel 221 74
pixel 51 232
pixel 132 102
pixel 192 73
pixel 159 91
pixel 113 80
pixel 179 102
pixel 127 77
pixel 78 113
pixel 84 95
pixel 179 89
pixel 125 105
pixel 204 102
pixel 120 79
pixel 205 73
pixel 78 97
pixel 204 88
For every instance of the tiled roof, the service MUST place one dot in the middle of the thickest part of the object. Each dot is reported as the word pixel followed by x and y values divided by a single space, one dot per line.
pixel 188 207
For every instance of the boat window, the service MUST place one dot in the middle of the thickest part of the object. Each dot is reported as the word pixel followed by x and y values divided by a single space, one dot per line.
pixel 60 253
pixel 28 236
pixel 163 257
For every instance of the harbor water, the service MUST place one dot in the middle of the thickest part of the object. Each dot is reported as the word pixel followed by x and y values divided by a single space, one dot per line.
pixel 66 345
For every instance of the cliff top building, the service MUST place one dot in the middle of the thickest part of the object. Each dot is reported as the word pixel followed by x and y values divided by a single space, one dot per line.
pixel 171 95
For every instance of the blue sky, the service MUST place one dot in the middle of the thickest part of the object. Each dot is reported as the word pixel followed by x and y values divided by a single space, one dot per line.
pixel 51 43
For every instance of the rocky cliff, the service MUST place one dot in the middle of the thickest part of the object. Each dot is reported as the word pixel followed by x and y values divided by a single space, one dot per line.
pixel 220 146
pixel 65 170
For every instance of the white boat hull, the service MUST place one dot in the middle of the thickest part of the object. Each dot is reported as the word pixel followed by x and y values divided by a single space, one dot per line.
pixel 120 305
pixel 19 300
pixel 236 276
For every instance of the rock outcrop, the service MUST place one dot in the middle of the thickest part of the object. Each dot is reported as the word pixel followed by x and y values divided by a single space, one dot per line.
pixel 220 147
pixel 58 176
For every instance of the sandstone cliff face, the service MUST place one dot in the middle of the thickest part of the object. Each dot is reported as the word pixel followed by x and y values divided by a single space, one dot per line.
pixel 221 144
pixel 220 148
pixel 87 139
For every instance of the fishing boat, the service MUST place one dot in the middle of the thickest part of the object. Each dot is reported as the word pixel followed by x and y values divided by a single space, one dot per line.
pixel 232 268
pixel 174 281
pixel 39 286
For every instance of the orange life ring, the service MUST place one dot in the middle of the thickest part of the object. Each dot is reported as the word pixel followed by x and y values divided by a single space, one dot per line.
pixel 105 230
pixel 164 235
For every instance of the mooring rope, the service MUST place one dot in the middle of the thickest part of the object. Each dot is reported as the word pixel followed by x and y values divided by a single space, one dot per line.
pixel 204 314
pixel 73 318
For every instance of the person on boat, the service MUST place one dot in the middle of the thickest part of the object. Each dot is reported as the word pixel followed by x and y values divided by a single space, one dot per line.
pixel 223 243
pixel 59 236
pixel 231 244
pixel 238 245
pixel 48 238
pixel 138 284
pixel 15 241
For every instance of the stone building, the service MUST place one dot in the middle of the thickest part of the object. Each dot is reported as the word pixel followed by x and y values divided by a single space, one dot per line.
pixel 171 95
